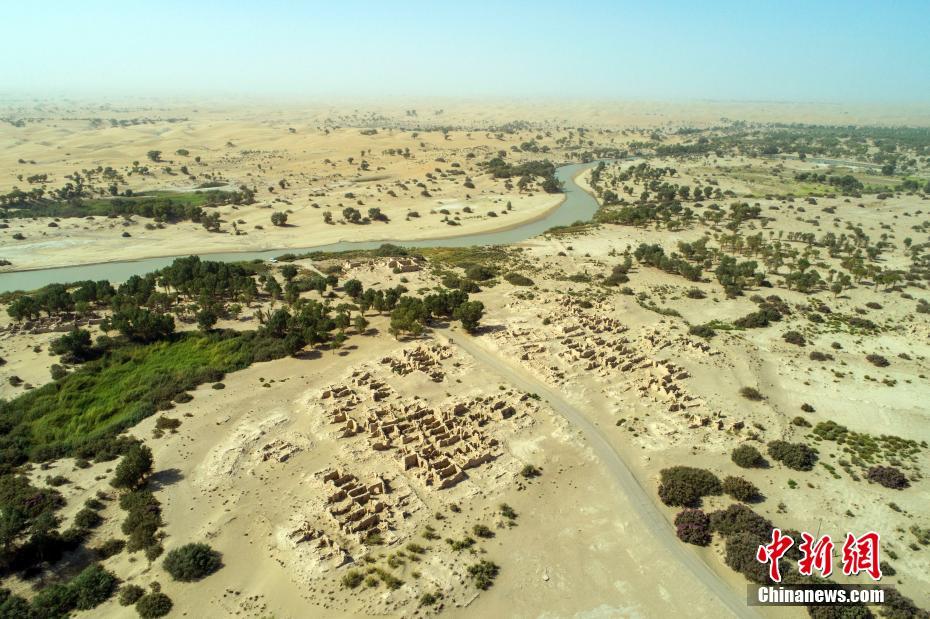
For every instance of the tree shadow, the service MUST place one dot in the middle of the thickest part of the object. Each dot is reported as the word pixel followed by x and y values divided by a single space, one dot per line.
pixel 165 478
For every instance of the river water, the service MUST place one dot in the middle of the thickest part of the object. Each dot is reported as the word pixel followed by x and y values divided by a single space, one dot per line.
pixel 578 205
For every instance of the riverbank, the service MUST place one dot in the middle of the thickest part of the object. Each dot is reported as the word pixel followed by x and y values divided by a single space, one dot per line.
pixel 531 215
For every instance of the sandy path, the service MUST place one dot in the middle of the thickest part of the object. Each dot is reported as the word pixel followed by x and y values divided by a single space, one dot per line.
pixel 650 516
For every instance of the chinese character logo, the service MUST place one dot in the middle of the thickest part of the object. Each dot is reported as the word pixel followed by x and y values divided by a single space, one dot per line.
pixel 859 554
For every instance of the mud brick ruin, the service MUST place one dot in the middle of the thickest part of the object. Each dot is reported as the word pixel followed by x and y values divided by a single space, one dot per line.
pixel 426 359
pixel 436 445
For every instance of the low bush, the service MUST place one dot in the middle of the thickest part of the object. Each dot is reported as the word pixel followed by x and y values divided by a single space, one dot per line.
pixel 192 562
pixel 685 486
pixel 747 457
pixel 693 527
pixel 740 489
pixel 797 456
pixel 740 555
pixel 518 279
pixel 888 476
pixel 738 518
pixel 751 393
pixel 483 573
pixel 154 605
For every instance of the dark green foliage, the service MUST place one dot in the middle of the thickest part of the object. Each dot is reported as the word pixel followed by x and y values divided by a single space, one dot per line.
pixel 654 255
pixel 751 393
pixel 747 457
pixel 797 456
pixel 109 548
pixel 87 519
pixel 93 586
pixel 13 606
pixel 74 347
pixel 130 594
pixel 54 601
pixel 518 279
pixel 133 469
pixel 469 314
pixel 192 562
pixel 153 605
pixel 140 325
pixel 793 337
pixel 877 360
pixel 27 521
pixel 685 485
pixel 143 518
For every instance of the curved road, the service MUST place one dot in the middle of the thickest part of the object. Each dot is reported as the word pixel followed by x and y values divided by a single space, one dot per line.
pixel 652 519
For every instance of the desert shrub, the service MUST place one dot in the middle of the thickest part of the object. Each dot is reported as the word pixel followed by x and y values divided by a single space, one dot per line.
pixel 751 393
pixel 877 360
pixel 130 594
pixel 695 293
pixel 479 273
pixel 801 422
pixel 888 476
pixel 192 562
pixel 183 397
pixel 738 518
pixel 529 471
pixel 685 485
pixel 55 600
pixel 93 586
pixel 897 606
pixel 740 555
pixel 482 531
pixel 793 337
pixel 87 519
pixel 518 279
pixel 110 548
pixel 693 527
pixel 807 408
pixel 483 573
pixel 134 468
pixel 740 489
pixel 142 519
pixel 352 579
pixel 154 605
pixel 13 606
pixel 797 456
pixel 705 331
pixel 747 457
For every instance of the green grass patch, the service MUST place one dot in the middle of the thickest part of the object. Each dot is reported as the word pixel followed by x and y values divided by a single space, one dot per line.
pixel 126 385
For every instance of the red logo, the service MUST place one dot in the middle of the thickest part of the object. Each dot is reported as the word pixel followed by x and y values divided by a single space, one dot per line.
pixel 773 552
pixel 859 554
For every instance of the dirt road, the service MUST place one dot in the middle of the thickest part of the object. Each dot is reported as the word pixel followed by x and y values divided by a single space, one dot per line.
pixel 652 519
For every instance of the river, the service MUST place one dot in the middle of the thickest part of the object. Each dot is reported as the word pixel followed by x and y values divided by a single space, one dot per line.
pixel 578 205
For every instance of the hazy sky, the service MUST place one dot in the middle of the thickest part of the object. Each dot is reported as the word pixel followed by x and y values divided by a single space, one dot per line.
pixel 811 50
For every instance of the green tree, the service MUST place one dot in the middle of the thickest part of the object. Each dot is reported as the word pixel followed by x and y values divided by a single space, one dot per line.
pixel 469 314
pixel 75 346
pixel 279 218
pixel 134 469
